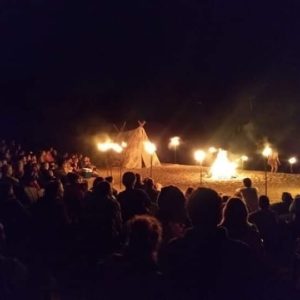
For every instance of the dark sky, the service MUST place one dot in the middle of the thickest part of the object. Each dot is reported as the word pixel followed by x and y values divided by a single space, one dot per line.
pixel 219 70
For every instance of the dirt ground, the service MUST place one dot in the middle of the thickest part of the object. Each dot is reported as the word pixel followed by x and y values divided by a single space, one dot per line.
pixel 184 176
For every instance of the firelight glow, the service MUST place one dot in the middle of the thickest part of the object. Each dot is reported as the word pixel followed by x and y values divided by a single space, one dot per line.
pixel 174 142
pixel 199 155
pixel 244 158
pixel 292 160
pixel 212 150
pixel 104 147
pixel 150 147
pixel 222 167
pixel 267 151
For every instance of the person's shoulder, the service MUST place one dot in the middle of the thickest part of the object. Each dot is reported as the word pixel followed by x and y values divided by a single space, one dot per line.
pixel 141 193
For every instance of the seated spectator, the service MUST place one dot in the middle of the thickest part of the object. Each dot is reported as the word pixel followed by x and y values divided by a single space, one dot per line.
pixel 14 275
pixel 267 223
pixel 135 269
pixel 45 174
pixel 133 201
pixel 139 182
pixel 235 220
pixel 189 191
pixel 110 180
pixel 103 222
pixel 74 194
pixel 282 208
pixel 205 263
pixel 249 194
pixel 96 181
pixel 32 190
pixel 295 211
pixel 15 218
pixel 151 190
pixel 7 177
pixel 61 171
pixel 49 224
pixel 172 212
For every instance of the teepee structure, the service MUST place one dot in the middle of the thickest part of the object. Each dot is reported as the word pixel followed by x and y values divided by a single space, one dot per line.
pixel 135 155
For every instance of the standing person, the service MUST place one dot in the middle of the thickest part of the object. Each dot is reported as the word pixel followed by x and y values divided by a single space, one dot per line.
pixel 274 162
pixel 249 194
pixel 133 201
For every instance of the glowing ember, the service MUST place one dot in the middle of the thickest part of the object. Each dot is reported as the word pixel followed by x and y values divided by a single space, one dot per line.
pixel 223 168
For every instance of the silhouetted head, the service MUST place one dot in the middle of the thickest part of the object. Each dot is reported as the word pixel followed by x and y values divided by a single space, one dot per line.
pixel 6 191
pixel 73 178
pixel 138 177
pixel 149 183
pixel 247 182
pixel 264 202
pixel 144 236
pixel 109 179
pixel 103 189
pixel 235 212
pixel 170 198
pixel 189 192
pixel 204 208
pixel 96 181
pixel 2 237
pixel 7 170
pixel 287 198
pixel 54 190
pixel 129 179
pixel 297 204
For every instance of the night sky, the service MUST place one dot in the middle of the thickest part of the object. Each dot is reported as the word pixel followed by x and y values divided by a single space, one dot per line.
pixel 212 71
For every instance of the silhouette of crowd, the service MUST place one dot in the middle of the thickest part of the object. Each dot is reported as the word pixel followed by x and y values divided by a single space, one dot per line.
pixel 60 239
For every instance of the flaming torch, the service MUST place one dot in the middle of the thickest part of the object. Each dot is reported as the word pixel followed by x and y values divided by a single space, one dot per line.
pixel 199 156
pixel 266 153
pixel 173 144
pixel 150 148
pixel 106 147
pixel 292 161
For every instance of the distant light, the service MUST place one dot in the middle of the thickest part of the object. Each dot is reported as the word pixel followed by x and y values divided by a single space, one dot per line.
pixel 116 147
pixel 150 147
pixel 212 150
pixel 199 155
pixel 267 151
pixel 103 147
pixel 174 142
pixel 244 158
pixel 292 160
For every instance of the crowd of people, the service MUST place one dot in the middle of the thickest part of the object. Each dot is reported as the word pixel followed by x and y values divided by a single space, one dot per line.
pixel 60 239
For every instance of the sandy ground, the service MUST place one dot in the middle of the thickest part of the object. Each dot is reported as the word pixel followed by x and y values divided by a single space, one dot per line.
pixel 184 176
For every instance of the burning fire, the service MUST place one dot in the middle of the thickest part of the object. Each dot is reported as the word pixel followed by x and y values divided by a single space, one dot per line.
pixel 222 167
